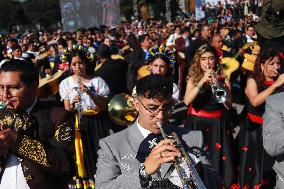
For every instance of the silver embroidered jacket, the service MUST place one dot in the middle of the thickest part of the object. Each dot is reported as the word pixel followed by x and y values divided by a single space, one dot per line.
pixel 117 167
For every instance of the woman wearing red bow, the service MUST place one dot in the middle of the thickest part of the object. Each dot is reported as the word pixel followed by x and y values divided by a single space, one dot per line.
pixel 255 164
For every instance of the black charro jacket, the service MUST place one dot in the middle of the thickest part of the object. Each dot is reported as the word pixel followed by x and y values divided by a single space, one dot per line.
pixel 44 144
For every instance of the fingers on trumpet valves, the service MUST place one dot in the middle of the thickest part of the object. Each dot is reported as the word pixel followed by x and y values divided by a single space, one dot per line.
pixel 160 155
pixel 171 138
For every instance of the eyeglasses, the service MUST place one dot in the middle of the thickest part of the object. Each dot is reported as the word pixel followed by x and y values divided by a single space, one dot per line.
pixel 155 110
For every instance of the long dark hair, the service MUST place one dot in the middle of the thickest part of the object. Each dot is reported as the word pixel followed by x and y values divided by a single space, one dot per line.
pixel 265 54
pixel 90 63
pixel 166 60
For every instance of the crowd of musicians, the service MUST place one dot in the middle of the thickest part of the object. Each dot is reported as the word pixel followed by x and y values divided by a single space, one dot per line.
pixel 199 58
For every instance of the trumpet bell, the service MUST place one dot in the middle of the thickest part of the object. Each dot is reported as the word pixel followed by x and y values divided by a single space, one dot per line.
pixel 221 95
pixel 121 109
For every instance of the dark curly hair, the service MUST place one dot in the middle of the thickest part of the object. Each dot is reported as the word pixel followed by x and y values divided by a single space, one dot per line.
pixel 155 87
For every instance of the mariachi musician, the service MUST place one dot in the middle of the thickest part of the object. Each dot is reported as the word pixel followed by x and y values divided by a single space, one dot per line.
pixel 160 61
pixel 255 165
pixel 249 37
pixel 206 111
pixel 36 137
pixel 139 157
pixel 218 44
pixel 86 94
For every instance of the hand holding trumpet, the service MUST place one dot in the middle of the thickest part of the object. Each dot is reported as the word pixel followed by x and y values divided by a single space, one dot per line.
pixel 164 152
pixel 208 76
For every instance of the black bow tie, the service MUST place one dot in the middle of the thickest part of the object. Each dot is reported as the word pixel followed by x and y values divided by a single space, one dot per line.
pixel 147 145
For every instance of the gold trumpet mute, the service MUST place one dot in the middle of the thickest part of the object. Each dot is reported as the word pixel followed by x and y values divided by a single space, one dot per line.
pixel 121 109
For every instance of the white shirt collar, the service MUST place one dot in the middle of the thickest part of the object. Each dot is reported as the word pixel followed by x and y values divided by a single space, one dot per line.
pixel 249 38
pixel 31 107
pixel 143 131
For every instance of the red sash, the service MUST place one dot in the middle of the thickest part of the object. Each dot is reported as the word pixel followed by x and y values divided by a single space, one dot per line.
pixel 203 113
pixel 255 118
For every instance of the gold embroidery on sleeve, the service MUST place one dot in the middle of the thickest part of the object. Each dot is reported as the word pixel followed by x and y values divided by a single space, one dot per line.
pixel 6 122
pixel 34 151
pixel 18 122
pixel 63 132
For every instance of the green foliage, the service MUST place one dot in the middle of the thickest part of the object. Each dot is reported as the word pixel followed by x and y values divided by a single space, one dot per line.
pixel 29 13
pixel 43 12
pixel 11 14
pixel 46 13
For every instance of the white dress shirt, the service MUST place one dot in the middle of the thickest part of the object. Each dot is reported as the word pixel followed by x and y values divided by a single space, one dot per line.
pixel 249 39
pixel 13 176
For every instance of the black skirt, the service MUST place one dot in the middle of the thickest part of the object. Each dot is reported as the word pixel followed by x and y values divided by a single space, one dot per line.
pixel 92 129
pixel 218 140
pixel 255 164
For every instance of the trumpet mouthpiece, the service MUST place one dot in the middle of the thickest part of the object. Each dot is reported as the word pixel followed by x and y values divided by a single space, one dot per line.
pixel 159 124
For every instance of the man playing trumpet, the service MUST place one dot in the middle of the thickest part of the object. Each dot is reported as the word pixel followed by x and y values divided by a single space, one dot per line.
pixel 137 158
pixel 35 137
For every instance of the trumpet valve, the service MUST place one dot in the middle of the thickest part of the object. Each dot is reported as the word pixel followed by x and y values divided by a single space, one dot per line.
pixel 171 138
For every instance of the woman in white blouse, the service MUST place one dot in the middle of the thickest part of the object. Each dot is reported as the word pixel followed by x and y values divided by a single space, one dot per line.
pixel 86 94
